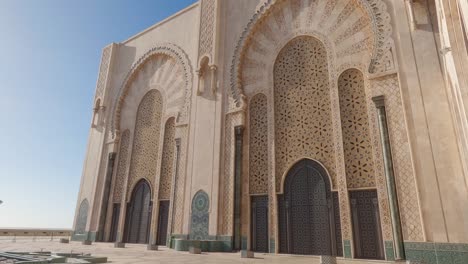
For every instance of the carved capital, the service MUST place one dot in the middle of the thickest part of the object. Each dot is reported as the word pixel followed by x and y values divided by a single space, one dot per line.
pixel 379 101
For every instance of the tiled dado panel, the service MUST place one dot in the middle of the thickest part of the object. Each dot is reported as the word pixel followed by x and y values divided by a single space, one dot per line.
pixel 437 253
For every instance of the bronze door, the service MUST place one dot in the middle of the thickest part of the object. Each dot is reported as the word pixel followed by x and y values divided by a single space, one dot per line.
pixel 368 241
pixel 259 207
pixel 139 214
pixel 304 211
pixel 163 222
pixel 115 222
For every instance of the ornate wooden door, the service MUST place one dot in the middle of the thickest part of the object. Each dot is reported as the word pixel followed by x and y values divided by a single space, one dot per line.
pixel 163 222
pixel 368 241
pixel 139 214
pixel 304 216
pixel 259 207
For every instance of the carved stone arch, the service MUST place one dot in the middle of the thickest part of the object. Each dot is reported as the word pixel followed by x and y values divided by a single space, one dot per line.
pixel 82 217
pixel 266 26
pixel 143 66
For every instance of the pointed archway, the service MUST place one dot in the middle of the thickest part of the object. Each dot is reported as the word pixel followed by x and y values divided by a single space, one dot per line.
pixel 306 212
pixel 138 222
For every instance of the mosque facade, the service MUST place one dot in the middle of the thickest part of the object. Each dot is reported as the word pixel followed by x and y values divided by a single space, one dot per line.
pixel 309 127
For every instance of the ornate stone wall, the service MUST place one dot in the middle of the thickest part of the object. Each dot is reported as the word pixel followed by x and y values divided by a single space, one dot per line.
pixel 181 133
pixel 303 127
pixel 122 166
pixel 82 217
pixel 355 126
pixel 207 25
pixel 144 161
pixel 402 162
pixel 167 168
pixel 258 145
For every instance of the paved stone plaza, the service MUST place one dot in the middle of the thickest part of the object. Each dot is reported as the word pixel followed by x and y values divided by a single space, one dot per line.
pixel 138 254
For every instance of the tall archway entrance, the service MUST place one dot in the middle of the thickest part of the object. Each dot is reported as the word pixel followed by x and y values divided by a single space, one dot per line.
pixel 137 226
pixel 306 222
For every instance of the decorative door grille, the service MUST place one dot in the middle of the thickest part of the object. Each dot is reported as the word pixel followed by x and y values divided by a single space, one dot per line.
pixel 305 208
pixel 259 207
pixel 139 215
pixel 368 241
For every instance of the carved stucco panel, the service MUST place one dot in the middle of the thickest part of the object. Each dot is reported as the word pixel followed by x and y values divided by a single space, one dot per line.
pixel 167 168
pixel 402 162
pixel 302 107
pixel 144 161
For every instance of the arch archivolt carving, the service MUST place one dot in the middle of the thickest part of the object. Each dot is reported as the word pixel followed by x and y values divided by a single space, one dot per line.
pixel 356 30
pixel 165 67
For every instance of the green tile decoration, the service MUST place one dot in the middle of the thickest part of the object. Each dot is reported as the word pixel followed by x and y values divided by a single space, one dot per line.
pixel 272 246
pixel 437 253
pixel 389 251
pixel 347 249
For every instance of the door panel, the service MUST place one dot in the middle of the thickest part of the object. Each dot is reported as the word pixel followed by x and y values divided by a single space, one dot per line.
pixel 259 207
pixel 163 222
pixel 368 242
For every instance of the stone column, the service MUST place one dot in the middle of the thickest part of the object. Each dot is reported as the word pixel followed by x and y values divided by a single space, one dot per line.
pixel 379 102
pixel 173 193
pixel 105 196
pixel 239 132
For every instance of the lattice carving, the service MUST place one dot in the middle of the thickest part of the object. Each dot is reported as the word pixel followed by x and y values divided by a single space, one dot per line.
pixel 146 141
pixel 302 106
pixel 355 126
pixel 167 168
pixel 207 26
pixel 103 71
pixel 181 133
pixel 122 166
pixel 258 146
pixel 404 174
pixel 82 217
pixel 227 196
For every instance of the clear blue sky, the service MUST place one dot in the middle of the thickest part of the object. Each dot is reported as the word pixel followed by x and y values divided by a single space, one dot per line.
pixel 49 59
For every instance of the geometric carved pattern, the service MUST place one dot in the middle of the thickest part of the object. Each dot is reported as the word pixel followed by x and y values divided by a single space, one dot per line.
pixel 81 219
pixel 145 144
pixel 103 71
pixel 359 29
pixel 404 175
pixel 122 167
pixel 258 145
pixel 178 202
pixel 355 127
pixel 167 161
pixel 200 216
pixel 207 27
pixel 302 106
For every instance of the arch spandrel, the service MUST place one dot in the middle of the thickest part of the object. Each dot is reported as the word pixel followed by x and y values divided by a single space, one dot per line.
pixel 165 67
pixel 355 31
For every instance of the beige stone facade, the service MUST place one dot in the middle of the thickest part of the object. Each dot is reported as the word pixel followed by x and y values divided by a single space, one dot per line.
pixel 213 109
